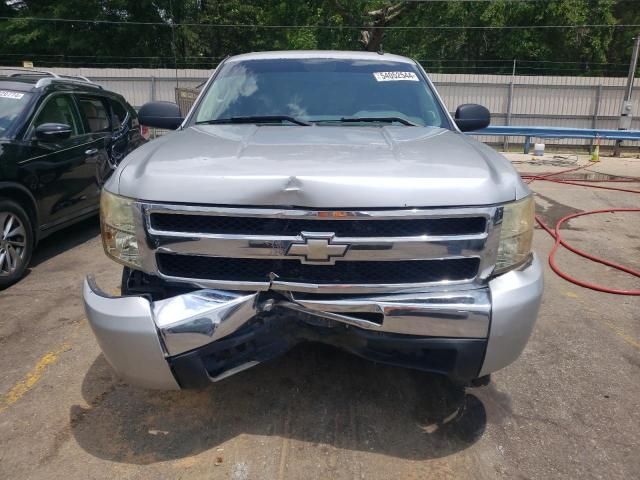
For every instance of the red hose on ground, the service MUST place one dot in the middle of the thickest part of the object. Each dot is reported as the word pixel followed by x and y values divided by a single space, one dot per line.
pixel 555 233
pixel 560 241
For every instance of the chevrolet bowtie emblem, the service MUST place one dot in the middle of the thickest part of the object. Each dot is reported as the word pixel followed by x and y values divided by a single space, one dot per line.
pixel 317 248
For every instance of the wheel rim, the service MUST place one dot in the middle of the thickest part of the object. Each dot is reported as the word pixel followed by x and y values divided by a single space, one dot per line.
pixel 13 242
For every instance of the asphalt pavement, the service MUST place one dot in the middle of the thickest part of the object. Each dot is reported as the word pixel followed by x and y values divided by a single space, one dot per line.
pixel 568 408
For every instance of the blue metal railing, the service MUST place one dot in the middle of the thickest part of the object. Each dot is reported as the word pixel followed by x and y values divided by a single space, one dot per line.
pixel 557 132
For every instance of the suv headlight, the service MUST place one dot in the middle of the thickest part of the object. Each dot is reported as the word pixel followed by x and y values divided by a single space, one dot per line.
pixel 516 234
pixel 118 229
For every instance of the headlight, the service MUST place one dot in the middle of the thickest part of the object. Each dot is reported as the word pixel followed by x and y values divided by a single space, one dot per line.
pixel 516 234
pixel 118 229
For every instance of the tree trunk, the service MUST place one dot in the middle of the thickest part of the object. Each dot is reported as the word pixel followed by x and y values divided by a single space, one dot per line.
pixel 372 39
pixel 373 36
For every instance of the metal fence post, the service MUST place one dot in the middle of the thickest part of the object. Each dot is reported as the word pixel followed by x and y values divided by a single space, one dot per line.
pixel 153 99
pixel 153 88
pixel 505 145
pixel 626 111
pixel 596 111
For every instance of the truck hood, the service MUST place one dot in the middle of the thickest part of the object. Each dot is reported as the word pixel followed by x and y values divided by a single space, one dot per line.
pixel 318 166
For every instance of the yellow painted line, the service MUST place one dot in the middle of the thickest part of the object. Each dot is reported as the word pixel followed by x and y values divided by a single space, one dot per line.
pixel 23 386
pixel 627 338
pixel 284 453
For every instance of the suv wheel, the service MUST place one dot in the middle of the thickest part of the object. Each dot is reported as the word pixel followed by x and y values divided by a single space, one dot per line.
pixel 16 242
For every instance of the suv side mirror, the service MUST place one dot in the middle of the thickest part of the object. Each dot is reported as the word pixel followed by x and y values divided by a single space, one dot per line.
pixel 471 116
pixel 50 132
pixel 160 115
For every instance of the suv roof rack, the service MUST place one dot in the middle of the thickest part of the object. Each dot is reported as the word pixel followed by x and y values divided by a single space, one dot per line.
pixel 28 71
pixel 49 76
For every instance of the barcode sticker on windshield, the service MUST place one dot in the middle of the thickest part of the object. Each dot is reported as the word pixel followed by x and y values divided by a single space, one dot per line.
pixel 12 95
pixel 395 76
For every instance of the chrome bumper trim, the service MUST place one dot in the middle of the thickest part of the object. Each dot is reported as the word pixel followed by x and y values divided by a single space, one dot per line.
pixel 195 319
pixel 460 315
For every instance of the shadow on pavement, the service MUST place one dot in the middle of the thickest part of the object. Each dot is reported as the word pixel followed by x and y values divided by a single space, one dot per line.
pixel 313 394
pixel 65 239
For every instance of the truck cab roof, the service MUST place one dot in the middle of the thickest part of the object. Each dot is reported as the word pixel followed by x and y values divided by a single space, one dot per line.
pixel 321 54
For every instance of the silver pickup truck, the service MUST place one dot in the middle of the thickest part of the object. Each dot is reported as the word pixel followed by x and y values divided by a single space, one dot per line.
pixel 315 196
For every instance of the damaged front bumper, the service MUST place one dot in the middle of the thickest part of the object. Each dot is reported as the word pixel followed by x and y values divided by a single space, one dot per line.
pixel 192 339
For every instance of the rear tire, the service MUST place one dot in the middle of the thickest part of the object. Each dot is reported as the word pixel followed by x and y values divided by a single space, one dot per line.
pixel 16 242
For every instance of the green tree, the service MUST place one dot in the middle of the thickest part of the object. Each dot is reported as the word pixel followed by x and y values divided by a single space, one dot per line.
pixel 199 33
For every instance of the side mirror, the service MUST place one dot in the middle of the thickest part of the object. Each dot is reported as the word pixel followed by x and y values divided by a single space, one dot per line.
pixel 51 132
pixel 471 116
pixel 164 115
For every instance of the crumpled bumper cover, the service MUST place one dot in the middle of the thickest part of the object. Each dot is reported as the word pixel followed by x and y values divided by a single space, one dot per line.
pixel 128 337
pixel 192 339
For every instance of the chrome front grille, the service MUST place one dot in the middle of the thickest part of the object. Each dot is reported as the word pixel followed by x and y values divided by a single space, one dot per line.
pixel 320 251
pixel 399 227
pixel 366 273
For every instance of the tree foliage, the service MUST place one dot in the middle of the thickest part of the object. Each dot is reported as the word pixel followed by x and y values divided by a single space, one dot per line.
pixel 198 33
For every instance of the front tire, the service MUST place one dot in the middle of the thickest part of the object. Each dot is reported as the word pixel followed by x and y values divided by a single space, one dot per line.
pixel 16 242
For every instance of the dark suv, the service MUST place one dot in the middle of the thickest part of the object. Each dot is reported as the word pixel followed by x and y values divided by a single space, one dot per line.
pixel 60 139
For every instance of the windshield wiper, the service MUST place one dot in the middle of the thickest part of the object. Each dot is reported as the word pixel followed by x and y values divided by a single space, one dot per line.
pixel 401 120
pixel 255 119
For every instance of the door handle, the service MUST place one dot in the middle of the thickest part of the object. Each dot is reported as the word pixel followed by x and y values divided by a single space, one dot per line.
pixel 91 151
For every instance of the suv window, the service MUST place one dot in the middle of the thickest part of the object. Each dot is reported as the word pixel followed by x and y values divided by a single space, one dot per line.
pixel 119 114
pixel 59 109
pixel 95 111
pixel 11 106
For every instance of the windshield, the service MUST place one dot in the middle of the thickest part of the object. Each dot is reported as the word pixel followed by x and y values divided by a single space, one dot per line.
pixel 323 91
pixel 11 105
